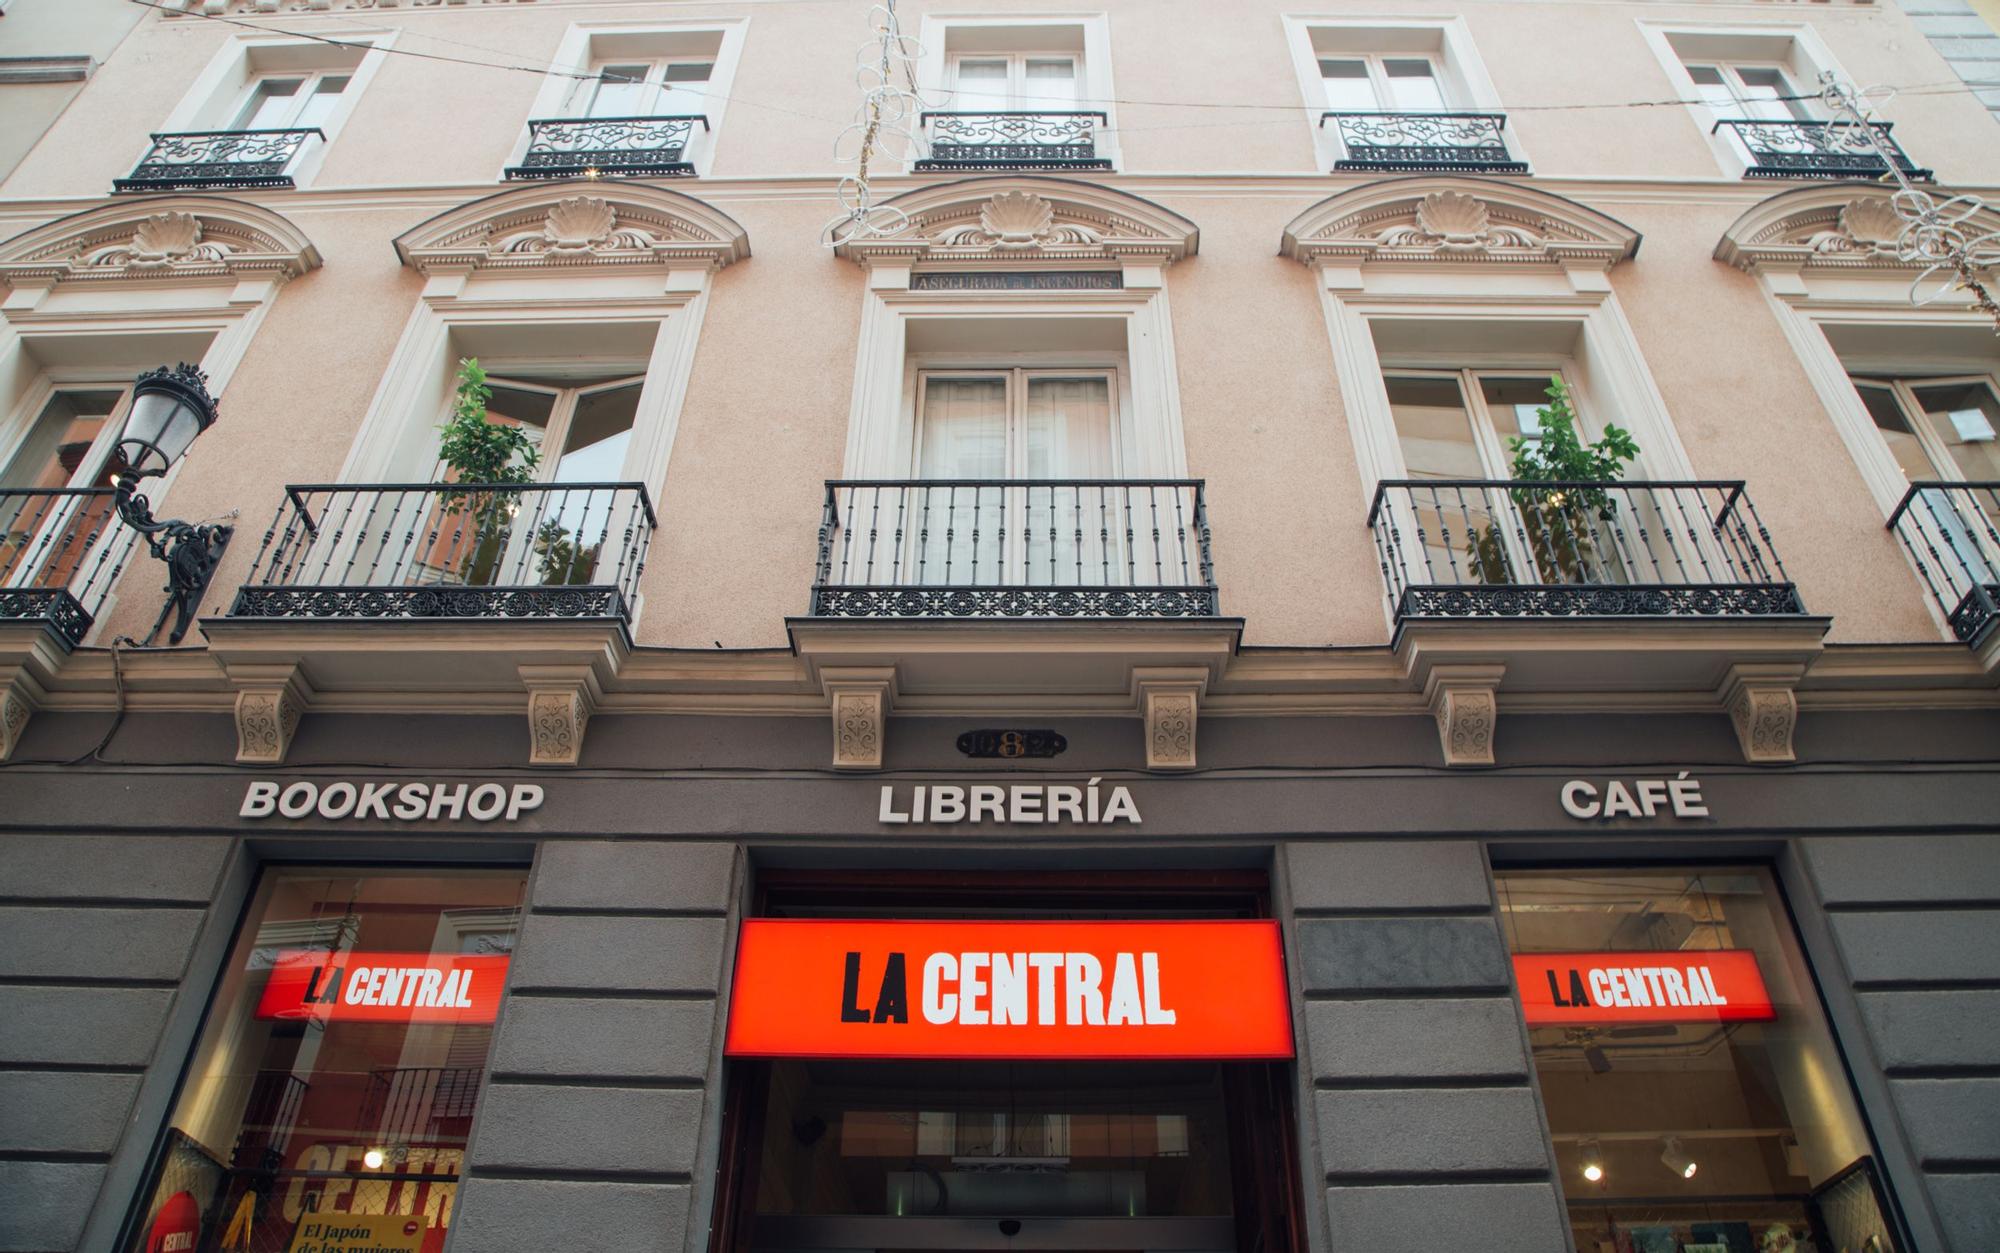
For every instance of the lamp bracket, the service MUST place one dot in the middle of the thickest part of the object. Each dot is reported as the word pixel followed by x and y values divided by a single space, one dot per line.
pixel 191 554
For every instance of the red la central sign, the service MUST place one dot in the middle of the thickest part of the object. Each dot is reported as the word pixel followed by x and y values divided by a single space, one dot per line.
pixel 383 987
pixel 1718 986
pixel 1022 990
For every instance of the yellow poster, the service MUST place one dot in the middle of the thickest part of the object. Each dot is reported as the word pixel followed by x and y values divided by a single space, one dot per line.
pixel 359 1233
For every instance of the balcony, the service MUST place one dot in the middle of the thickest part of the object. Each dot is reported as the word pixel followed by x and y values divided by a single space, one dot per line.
pixel 415 552
pixel 614 147
pixel 1817 150
pixel 1499 548
pixel 1466 143
pixel 197 160
pixel 1014 548
pixel 61 552
pixel 1022 140
pixel 1952 532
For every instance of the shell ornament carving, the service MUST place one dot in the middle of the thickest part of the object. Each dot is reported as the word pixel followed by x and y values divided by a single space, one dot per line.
pixel 1015 221
pixel 160 242
pixel 1867 225
pixel 579 228
pixel 1453 222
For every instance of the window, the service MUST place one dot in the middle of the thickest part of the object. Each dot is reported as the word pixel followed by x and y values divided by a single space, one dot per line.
pixel 1941 428
pixel 344 1055
pixel 1753 91
pixel 1692 1087
pixel 1019 82
pixel 1457 425
pixel 1393 84
pixel 52 540
pixel 656 88
pixel 291 101
pixel 1763 92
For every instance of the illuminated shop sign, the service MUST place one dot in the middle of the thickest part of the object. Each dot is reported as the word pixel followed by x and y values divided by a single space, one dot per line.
pixel 1720 986
pixel 383 987
pixel 1021 990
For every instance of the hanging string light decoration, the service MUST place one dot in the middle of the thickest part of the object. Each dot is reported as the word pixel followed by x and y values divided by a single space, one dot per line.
pixel 1938 233
pixel 890 109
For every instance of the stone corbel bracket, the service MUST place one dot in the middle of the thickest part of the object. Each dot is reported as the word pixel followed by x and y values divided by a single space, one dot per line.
pixel 860 697
pixel 271 700
pixel 1465 702
pixel 19 697
pixel 1168 699
pixel 1763 706
pixel 560 702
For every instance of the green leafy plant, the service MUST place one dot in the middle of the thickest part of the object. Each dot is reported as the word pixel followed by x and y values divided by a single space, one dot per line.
pixel 1559 523
pixel 475 450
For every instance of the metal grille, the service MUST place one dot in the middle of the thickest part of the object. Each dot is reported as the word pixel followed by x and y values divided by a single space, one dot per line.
pixel 1500 548
pixel 1424 141
pixel 588 147
pixel 1014 548
pixel 61 552
pixel 1024 140
pixel 1816 150
pixel 459 550
pixel 198 159
pixel 1952 532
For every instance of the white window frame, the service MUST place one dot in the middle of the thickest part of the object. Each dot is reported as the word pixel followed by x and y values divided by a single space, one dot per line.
pixel 308 80
pixel 584 96
pixel 1903 385
pixel 1377 69
pixel 1018 369
pixel 1805 57
pixel 219 94
pixel 562 410
pixel 1019 95
pixel 586 45
pixel 1486 434
pixel 937 73
pixel 1462 76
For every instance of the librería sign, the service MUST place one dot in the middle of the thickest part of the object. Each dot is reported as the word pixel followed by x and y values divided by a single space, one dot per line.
pixel 390 802
pixel 1021 990
pixel 1642 798
pixel 947 803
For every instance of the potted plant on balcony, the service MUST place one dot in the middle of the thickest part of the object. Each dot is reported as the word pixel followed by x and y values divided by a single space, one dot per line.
pixel 1558 524
pixel 477 450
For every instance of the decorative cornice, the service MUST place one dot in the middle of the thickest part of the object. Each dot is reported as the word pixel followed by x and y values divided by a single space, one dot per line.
pixel 1456 220
pixel 172 237
pixel 983 222
pixel 1833 226
pixel 547 226
pixel 234 8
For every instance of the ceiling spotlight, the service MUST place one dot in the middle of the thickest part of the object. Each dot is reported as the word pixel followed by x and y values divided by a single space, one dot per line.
pixel 1674 1158
pixel 1593 1160
pixel 372 1159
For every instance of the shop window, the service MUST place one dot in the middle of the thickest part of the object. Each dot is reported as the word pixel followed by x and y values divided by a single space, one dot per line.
pixel 342 1060
pixel 1694 1092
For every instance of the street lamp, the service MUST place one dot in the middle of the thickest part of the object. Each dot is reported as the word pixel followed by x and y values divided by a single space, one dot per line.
pixel 169 408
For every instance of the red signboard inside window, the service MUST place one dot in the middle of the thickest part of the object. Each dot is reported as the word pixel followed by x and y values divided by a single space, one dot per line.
pixel 383 987
pixel 1719 986
pixel 1021 990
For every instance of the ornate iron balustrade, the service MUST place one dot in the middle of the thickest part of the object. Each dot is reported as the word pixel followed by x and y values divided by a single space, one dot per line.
pixel 416 551
pixel 1021 140
pixel 1952 532
pixel 588 147
pixel 197 159
pixel 1424 141
pixel 1014 548
pixel 61 552
pixel 1816 150
pixel 1500 548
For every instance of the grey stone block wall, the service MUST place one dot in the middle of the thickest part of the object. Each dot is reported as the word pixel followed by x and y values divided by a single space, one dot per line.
pixel 1916 920
pixel 589 1131
pixel 1965 41
pixel 95 937
pixel 1425 1126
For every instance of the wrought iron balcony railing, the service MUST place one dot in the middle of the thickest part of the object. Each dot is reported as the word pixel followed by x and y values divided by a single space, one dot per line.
pixel 61 552
pixel 1816 150
pixel 1424 141
pixel 1500 548
pixel 1014 548
pixel 198 159
pixel 1952 532
pixel 414 551
pixel 646 147
pixel 1018 140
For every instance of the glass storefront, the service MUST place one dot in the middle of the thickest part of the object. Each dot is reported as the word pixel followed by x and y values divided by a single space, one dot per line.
pixel 337 1073
pixel 1694 1093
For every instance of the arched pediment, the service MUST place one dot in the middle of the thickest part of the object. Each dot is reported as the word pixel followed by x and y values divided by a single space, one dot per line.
pixel 160 237
pixel 561 225
pixel 1444 219
pixel 1020 218
pixel 1834 226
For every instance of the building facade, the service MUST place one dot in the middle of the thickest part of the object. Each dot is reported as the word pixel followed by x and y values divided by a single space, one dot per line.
pixel 1316 631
